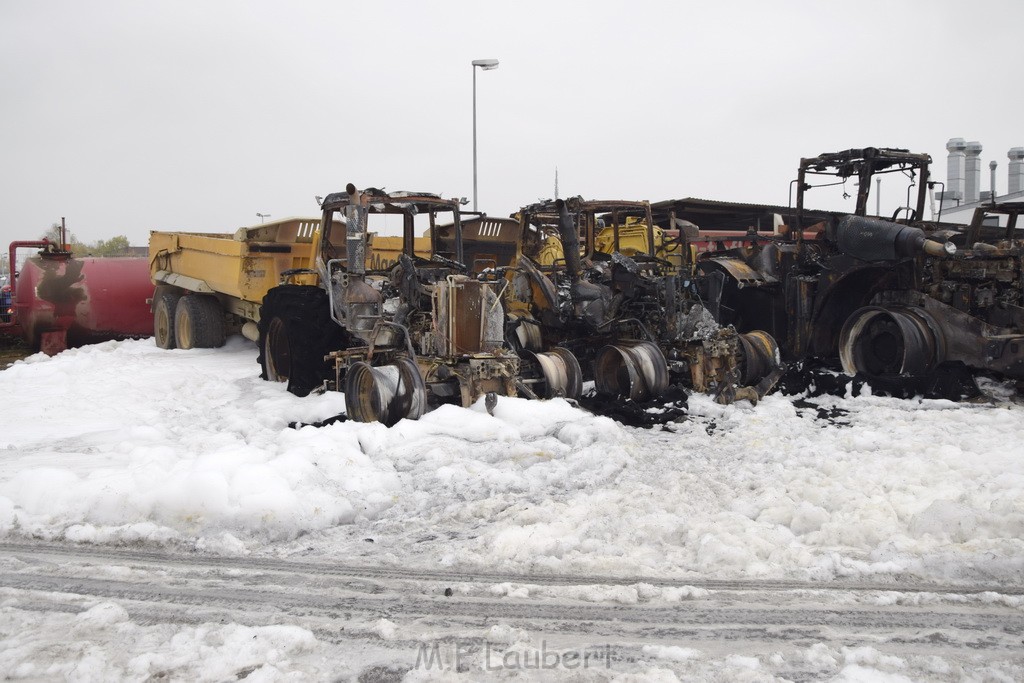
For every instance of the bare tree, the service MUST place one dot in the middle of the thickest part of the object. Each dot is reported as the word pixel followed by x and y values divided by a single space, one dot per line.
pixel 74 245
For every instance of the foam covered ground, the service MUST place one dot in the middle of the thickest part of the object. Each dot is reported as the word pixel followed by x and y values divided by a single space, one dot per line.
pixel 126 443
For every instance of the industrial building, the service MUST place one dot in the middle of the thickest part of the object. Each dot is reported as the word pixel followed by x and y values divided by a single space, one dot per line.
pixel 963 194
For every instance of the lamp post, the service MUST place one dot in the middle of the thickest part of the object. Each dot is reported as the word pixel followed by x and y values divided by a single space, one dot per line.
pixel 486 65
pixel 263 216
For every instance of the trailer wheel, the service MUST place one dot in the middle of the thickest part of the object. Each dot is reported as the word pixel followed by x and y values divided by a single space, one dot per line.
pixel 198 322
pixel 165 300
pixel 296 334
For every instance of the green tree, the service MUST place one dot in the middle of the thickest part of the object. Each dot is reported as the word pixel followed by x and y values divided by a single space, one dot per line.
pixel 115 246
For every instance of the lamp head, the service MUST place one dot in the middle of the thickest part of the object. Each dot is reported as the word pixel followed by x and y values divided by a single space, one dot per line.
pixel 486 64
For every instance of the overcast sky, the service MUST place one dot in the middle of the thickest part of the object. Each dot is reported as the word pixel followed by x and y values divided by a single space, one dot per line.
pixel 132 116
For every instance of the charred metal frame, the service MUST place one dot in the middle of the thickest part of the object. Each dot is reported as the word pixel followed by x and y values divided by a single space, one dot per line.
pixel 406 204
pixel 897 298
pixel 800 283
pixel 609 293
pixel 442 343
pixel 977 226
pixel 546 215
pixel 864 164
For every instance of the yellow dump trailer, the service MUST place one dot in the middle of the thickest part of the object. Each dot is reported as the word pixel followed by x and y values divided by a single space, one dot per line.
pixel 213 274
pixel 212 284
pixel 382 251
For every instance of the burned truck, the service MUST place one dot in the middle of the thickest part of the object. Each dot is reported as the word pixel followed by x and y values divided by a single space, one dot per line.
pixel 897 299
pixel 962 306
pixel 587 281
pixel 397 341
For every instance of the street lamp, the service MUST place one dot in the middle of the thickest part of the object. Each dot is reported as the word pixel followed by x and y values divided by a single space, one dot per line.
pixel 263 216
pixel 486 65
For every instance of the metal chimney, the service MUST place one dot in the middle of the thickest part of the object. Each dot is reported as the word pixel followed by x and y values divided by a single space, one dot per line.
pixel 954 193
pixel 1016 170
pixel 972 173
pixel 992 181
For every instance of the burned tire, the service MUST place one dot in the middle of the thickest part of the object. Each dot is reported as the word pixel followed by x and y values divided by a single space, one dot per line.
pixel 198 322
pixel 631 369
pixel 165 301
pixel 561 372
pixel 760 356
pixel 385 394
pixel 296 334
pixel 881 342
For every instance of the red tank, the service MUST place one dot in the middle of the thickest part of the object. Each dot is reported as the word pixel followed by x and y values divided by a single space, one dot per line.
pixel 61 301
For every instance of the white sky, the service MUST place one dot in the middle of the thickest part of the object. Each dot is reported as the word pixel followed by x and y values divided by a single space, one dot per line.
pixel 130 116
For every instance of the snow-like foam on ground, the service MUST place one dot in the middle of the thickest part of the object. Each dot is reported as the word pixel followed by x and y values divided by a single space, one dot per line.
pixel 78 648
pixel 920 487
pixel 124 442
pixel 163 445
pixel 103 642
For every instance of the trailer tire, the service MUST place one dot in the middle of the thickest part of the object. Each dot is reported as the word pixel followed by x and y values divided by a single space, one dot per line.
pixel 296 334
pixel 165 301
pixel 198 322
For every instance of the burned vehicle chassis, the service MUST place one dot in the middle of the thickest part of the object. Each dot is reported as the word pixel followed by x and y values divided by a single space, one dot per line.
pixel 964 308
pixel 625 314
pixel 398 342
pixel 890 299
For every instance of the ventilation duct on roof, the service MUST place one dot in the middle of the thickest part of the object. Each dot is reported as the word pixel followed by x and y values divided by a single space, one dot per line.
pixel 972 173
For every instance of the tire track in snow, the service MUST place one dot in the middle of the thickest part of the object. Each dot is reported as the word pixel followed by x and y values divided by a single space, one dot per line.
pixel 199 561
pixel 317 609
pixel 340 603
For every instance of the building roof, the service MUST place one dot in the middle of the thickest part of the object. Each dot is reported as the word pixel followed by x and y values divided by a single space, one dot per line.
pixel 710 214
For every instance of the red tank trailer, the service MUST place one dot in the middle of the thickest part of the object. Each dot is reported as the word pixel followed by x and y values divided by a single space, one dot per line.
pixel 60 300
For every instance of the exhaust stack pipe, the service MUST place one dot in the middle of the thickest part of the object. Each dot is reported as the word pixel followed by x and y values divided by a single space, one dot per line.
pixel 362 304
pixel 355 232
pixel 570 242
pixel 591 302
